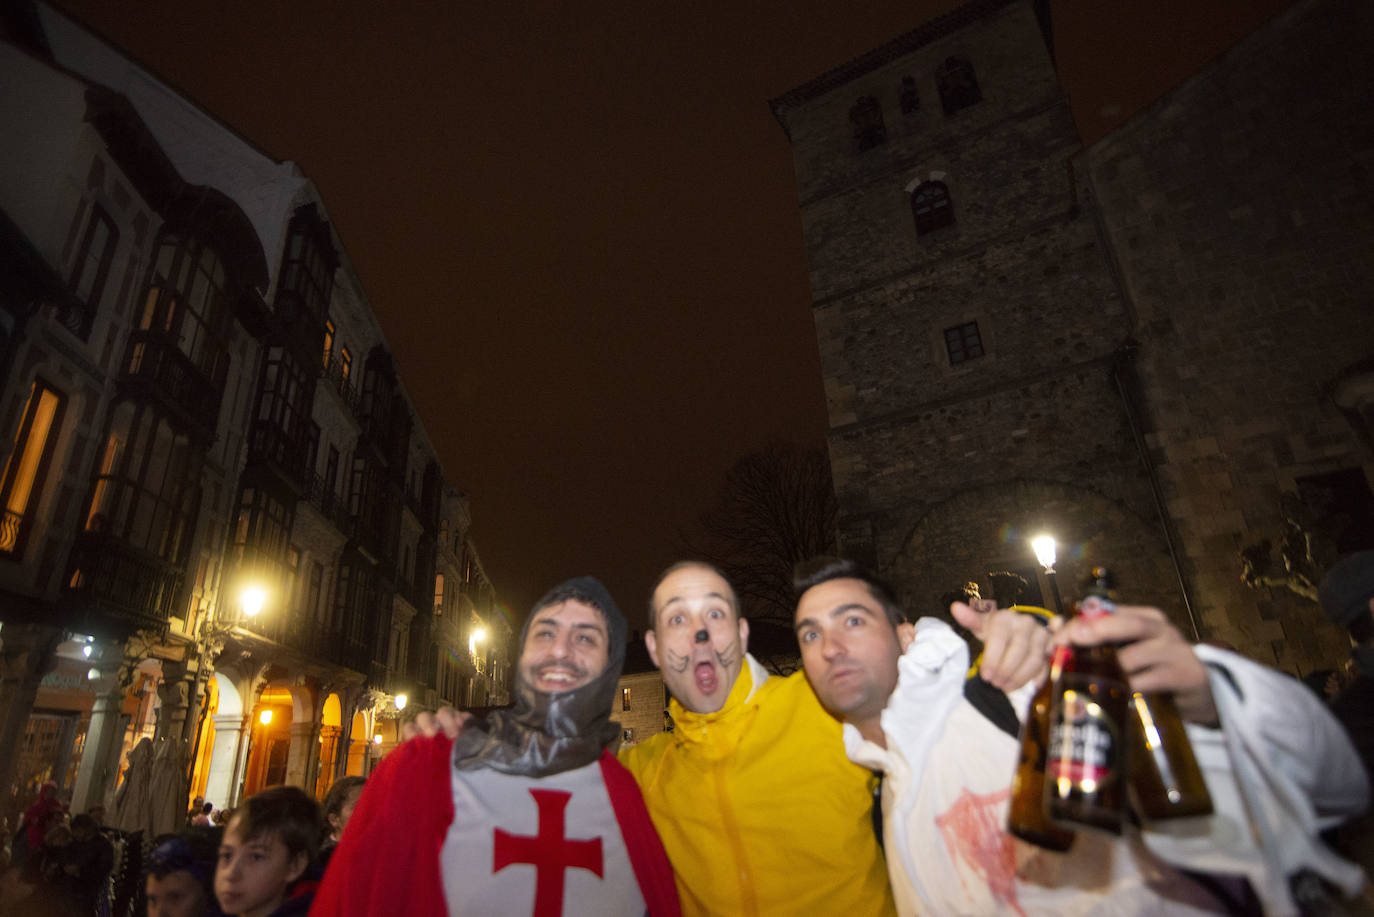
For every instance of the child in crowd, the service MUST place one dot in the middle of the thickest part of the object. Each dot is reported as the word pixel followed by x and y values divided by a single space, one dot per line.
pixel 181 875
pixel 338 808
pixel 267 849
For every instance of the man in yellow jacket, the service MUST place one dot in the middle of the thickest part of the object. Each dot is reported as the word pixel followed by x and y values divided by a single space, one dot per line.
pixel 758 808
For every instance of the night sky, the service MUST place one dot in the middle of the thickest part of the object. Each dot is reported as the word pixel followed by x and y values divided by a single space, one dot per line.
pixel 578 226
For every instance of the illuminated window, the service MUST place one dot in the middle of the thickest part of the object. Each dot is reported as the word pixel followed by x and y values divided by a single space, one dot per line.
pixel 624 698
pixel 147 486
pixel 187 302
pixel 328 343
pixel 27 465
pixel 438 593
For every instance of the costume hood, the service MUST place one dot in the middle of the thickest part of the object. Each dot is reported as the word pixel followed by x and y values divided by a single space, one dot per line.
pixel 548 733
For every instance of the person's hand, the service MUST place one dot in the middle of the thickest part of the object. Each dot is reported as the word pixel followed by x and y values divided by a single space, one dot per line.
pixel 1016 646
pixel 1154 656
pixel 446 720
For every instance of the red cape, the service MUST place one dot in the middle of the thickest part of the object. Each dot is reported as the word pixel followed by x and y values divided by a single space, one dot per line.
pixel 388 860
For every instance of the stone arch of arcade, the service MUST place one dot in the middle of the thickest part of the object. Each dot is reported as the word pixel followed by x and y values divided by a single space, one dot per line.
pixel 988 528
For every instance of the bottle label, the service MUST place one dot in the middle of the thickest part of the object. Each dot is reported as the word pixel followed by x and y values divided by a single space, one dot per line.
pixel 1094 607
pixel 1083 747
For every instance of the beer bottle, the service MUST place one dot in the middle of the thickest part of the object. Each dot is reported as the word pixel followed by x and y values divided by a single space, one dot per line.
pixel 1165 779
pixel 1085 763
pixel 1028 817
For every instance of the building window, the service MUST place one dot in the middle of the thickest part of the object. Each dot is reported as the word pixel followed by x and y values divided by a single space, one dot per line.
pixel 957 84
pixel 282 427
pixel 910 98
pixel 628 736
pixel 188 303
pixel 147 485
pixel 27 465
pixel 328 344
pixel 624 698
pixel 866 118
pixel 931 207
pixel 345 365
pixel 438 594
pixel 963 343
pixel 89 271
pixel 307 274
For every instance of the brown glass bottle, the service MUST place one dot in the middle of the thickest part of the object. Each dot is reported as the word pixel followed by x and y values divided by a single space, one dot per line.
pixel 1085 763
pixel 1028 815
pixel 1165 780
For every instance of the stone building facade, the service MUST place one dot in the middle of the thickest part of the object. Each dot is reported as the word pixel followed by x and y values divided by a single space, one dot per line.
pixel 1019 335
pixel 224 524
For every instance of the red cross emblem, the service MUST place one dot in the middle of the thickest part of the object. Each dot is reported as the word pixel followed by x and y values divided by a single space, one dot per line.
pixel 548 851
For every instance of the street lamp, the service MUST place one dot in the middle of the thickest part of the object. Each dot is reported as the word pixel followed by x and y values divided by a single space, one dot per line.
pixel 1044 548
pixel 252 598
pixel 377 739
pixel 265 717
pixel 477 637
pixel 400 701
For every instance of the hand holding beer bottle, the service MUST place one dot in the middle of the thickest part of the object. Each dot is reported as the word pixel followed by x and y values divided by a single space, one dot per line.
pixel 1167 684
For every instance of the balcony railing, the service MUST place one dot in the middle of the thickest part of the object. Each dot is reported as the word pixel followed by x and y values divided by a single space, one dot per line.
pixel 122 582
pixel 155 364
pixel 10 525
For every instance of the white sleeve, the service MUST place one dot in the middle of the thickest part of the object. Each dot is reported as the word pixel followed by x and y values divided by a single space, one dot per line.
pixel 1280 770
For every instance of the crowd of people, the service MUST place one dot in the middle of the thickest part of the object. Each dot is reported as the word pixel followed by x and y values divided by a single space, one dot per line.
pixel 876 781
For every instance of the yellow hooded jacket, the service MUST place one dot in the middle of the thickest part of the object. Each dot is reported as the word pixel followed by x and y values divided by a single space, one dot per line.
pixel 759 809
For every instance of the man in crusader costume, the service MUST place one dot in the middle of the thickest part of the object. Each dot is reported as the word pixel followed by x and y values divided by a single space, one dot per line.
pixel 527 812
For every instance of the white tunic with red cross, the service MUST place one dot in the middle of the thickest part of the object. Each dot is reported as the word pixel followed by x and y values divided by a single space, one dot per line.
pixel 547 847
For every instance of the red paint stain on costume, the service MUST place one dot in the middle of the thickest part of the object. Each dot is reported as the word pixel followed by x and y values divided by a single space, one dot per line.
pixel 972 829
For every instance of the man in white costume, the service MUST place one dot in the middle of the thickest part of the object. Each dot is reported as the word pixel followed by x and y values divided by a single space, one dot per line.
pixel 1278 766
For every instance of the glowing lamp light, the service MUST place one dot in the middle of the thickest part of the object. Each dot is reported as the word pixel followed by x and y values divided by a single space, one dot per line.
pixel 92 674
pixel 1043 546
pixel 265 717
pixel 401 700
pixel 377 739
pixel 86 650
pixel 253 598
pixel 477 637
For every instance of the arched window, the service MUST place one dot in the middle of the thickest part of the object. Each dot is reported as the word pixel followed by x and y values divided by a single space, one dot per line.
pixel 957 84
pixel 866 117
pixel 930 205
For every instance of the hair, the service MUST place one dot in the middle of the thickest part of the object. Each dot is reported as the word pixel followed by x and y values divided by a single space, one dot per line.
pixel 83 823
pixel 193 850
pixel 335 798
pixel 207 808
pixel 811 573
pixel 1361 629
pixel 568 593
pixel 285 811
pixel 685 565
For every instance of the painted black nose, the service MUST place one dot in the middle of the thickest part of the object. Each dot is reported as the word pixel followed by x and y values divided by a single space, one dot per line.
pixel 703 637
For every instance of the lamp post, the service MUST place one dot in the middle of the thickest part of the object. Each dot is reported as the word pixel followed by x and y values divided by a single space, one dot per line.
pixel 1044 548
pixel 401 700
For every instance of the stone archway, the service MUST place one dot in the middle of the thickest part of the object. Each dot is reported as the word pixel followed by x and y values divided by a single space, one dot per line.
pixel 331 734
pixel 988 528
pixel 226 741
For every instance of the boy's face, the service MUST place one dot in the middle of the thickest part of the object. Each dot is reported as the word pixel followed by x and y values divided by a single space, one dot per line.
pixel 252 875
pixel 176 894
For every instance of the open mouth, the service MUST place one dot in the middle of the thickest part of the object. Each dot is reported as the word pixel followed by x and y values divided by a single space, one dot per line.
pixel 706 676
pixel 558 678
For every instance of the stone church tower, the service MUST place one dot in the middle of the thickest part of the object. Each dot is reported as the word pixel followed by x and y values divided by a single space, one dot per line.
pixel 1019 335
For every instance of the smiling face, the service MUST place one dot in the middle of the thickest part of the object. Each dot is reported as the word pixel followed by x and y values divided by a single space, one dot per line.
pixel 566 647
pixel 698 640
pixel 850 651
